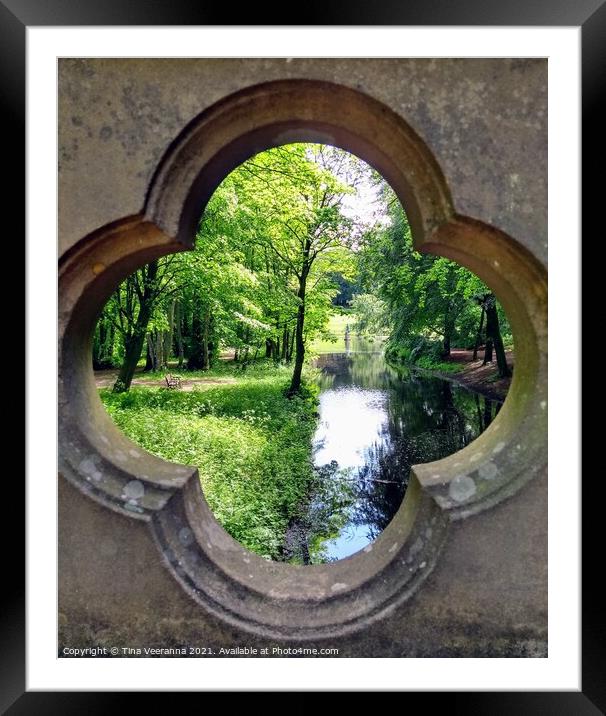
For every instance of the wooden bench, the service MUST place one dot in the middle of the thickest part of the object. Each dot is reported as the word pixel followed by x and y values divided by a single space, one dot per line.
pixel 172 381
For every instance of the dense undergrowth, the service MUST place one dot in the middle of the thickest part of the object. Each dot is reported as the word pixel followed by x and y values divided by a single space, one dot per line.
pixel 420 353
pixel 252 445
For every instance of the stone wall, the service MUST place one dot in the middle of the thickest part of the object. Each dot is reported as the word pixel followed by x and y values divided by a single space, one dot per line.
pixel 474 136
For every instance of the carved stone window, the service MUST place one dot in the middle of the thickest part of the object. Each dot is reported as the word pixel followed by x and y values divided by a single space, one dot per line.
pixel 268 598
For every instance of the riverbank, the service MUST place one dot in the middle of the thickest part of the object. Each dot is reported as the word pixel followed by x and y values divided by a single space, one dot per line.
pixel 318 477
pixel 465 371
pixel 251 444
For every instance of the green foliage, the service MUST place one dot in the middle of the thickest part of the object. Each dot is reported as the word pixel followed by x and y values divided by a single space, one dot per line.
pixel 420 352
pixel 428 363
pixel 426 298
pixel 371 314
pixel 282 209
pixel 250 443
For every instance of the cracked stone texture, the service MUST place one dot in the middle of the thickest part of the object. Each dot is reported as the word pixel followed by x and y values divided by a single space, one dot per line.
pixel 485 120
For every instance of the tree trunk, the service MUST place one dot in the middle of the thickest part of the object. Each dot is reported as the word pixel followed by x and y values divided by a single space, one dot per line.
pixel 168 336
pixel 98 341
pixel 446 345
pixel 159 350
pixel 449 325
pixel 487 351
pixel 133 343
pixel 211 343
pixel 179 333
pixel 493 330
pixel 291 347
pixel 246 349
pixel 479 334
pixel 295 384
pixel 149 360
pixel 108 349
pixel 103 344
pixel 153 361
pixel 199 355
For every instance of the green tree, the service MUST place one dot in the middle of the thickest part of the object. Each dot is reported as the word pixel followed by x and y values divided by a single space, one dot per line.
pixel 431 300
pixel 371 314
pixel 494 339
pixel 131 308
pixel 286 209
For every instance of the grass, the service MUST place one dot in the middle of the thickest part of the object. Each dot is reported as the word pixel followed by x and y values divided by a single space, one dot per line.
pixel 221 369
pixel 429 363
pixel 339 321
pixel 250 443
pixel 333 339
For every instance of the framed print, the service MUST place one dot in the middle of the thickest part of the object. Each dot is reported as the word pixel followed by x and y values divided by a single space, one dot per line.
pixel 293 288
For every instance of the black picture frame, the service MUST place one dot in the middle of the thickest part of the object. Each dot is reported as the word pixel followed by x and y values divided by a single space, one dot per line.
pixel 17 15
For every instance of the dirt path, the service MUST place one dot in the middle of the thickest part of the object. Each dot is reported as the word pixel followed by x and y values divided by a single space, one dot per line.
pixel 106 378
pixel 481 378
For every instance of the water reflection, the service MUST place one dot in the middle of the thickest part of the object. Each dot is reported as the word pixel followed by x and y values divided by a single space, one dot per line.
pixel 375 422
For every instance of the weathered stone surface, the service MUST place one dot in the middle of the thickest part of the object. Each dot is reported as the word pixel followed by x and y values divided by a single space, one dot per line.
pixel 127 574
pixel 485 120
pixel 487 595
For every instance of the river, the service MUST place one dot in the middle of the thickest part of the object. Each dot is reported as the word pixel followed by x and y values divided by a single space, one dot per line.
pixel 374 423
